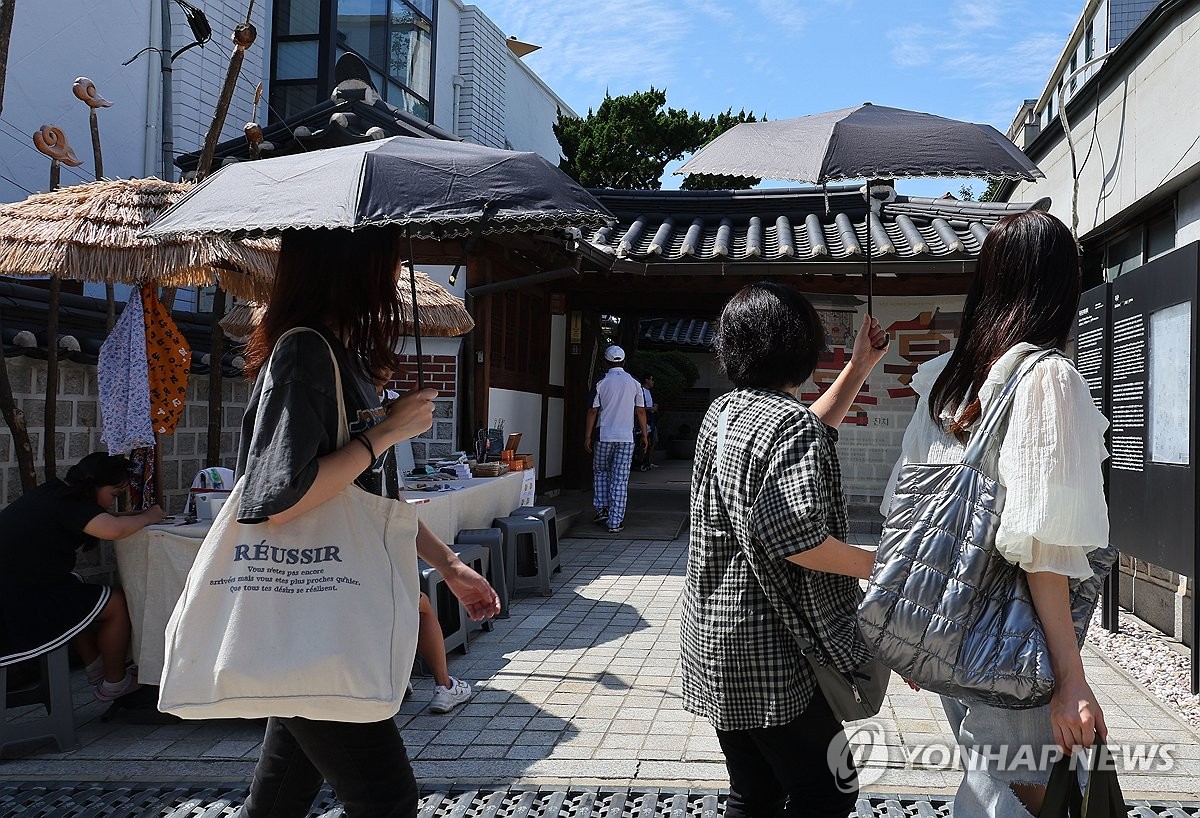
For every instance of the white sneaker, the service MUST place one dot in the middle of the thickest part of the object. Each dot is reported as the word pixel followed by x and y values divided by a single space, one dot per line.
pixel 107 692
pixel 446 699
pixel 408 690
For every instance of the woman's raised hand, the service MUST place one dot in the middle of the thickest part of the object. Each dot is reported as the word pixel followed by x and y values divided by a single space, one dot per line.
pixel 871 343
pixel 409 415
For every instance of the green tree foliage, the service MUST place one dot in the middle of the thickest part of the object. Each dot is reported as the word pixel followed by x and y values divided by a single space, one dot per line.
pixel 627 142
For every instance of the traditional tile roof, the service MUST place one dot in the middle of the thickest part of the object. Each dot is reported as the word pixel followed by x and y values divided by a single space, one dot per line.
pixel 790 225
pixel 81 328
pixel 677 332
pixel 354 113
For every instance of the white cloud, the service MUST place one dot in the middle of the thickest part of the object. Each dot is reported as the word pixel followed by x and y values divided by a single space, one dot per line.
pixel 976 16
pixel 619 44
pixel 911 45
pixel 1003 50
pixel 785 14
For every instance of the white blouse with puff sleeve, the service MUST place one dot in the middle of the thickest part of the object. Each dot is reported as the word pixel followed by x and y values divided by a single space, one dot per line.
pixel 1050 461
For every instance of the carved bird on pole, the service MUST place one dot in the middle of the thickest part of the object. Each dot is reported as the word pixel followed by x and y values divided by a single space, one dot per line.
pixel 50 140
pixel 85 90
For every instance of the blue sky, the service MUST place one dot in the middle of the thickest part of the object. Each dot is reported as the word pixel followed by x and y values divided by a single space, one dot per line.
pixel 966 59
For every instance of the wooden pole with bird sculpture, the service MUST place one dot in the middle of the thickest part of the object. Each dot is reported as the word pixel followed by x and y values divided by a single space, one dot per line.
pixel 243 37
pixel 51 141
pixel 85 90
pixel 14 417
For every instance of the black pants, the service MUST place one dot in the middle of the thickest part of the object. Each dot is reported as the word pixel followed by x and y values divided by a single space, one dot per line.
pixel 787 771
pixel 364 763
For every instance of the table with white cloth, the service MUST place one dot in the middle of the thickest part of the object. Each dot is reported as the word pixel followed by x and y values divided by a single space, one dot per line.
pixel 153 563
pixel 473 504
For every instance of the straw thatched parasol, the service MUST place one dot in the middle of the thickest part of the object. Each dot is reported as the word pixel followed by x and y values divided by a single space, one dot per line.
pixel 442 314
pixel 89 232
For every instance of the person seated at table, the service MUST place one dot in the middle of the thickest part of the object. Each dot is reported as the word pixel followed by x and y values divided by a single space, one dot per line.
pixel 448 692
pixel 43 604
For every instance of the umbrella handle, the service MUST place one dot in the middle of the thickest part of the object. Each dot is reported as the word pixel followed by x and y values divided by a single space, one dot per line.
pixel 412 280
pixel 870 272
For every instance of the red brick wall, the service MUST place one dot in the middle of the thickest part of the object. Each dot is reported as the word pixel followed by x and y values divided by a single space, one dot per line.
pixel 441 373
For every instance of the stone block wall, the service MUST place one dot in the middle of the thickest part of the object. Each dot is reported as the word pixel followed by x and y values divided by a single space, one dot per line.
pixel 1162 598
pixel 78 433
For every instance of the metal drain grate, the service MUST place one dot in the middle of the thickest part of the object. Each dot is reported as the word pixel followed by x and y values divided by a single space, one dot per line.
pixel 42 800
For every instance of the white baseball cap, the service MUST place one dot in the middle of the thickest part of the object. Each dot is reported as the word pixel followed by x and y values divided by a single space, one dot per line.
pixel 614 354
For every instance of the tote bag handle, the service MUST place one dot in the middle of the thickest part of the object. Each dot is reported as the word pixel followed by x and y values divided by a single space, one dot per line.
pixel 995 419
pixel 343 424
pixel 805 643
pixel 1103 798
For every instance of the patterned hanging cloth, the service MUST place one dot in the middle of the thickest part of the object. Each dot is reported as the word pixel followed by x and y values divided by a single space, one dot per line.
pixel 168 359
pixel 124 384
pixel 143 491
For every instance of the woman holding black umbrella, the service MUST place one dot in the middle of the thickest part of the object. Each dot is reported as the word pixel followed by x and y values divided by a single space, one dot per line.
pixel 291 463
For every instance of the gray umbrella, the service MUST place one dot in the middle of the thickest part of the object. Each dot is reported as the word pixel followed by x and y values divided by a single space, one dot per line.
pixel 864 142
pixel 430 188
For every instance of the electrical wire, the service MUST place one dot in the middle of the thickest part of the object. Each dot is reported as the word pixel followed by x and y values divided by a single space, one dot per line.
pixel 272 109
pixel 24 142
pixel 16 183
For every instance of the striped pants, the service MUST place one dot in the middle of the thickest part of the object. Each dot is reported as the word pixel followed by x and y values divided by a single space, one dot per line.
pixel 610 464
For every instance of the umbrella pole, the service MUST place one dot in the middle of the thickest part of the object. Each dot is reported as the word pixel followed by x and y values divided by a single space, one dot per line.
pixel 870 272
pixel 412 281
pixel 15 419
pixel 110 296
pixel 215 379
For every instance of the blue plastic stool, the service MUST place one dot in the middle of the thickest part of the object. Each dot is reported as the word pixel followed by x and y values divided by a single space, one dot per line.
pixel 446 608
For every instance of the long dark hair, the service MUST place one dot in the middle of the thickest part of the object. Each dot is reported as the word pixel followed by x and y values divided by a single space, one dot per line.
pixel 343 280
pixel 1026 290
pixel 94 471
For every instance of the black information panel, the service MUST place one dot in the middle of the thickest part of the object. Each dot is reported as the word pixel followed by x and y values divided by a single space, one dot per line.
pixel 1152 406
pixel 1092 337
pixel 1092 333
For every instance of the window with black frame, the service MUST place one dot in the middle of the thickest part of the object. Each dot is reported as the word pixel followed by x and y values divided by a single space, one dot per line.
pixel 393 37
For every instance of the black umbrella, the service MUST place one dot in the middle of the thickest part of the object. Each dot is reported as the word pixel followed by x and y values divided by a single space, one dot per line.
pixel 430 188
pixel 864 142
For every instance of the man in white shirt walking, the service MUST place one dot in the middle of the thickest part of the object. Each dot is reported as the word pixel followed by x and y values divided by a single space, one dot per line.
pixel 618 401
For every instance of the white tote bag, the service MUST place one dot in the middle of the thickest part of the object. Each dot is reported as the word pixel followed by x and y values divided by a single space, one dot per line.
pixel 315 618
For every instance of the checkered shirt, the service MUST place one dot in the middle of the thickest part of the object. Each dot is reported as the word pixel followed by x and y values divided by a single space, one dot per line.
pixel 781 494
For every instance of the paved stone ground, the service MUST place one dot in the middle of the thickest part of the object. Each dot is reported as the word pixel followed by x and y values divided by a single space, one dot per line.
pixel 582 688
